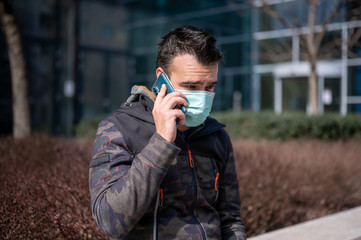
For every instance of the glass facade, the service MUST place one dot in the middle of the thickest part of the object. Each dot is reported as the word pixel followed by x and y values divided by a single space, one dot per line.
pixel 83 56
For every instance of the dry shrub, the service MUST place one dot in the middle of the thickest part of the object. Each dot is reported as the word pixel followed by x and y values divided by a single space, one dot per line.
pixel 44 189
pixel 44 185
pixel 284 183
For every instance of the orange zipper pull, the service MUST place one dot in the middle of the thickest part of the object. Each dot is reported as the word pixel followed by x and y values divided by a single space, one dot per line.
pixel 215 182
pixel 190 159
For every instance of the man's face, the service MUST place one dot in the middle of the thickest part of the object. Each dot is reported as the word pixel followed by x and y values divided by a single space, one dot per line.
pixel 186 73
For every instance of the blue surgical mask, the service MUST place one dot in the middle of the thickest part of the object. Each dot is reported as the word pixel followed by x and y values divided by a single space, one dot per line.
pixel 200 105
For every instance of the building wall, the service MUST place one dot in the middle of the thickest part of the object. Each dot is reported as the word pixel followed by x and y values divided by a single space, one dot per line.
pixel 115 48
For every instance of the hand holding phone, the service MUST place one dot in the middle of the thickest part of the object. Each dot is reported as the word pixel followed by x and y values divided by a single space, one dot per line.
pixel 163 79
pixel 166 111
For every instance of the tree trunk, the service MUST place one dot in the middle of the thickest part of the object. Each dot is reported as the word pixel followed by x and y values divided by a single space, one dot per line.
pixel 21 113
pixel 312 51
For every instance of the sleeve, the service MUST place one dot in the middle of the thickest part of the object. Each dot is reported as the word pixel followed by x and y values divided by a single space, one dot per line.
pixel 122 186
pixel 229 204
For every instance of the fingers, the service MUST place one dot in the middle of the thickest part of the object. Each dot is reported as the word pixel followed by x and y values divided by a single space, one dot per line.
pixel 165 113
pixel 160 96
pixel 169 101
pixel 174 102
pixel 163 91
pixel 180 116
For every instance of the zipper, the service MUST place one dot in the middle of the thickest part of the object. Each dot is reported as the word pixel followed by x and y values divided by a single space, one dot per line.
pixel 158 204
pixel 196 184
pixel 191 163
pixel 215 182
pixel 216 187
pixel 216 178
pixel 195 131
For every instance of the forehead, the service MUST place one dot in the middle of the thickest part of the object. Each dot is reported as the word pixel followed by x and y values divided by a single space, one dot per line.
pixel 188 65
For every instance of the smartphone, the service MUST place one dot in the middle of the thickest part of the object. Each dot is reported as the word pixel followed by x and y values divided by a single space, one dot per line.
pixel 163 79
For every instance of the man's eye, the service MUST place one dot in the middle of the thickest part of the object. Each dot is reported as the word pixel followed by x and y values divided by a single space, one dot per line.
pixel 210 87
pixel 190 86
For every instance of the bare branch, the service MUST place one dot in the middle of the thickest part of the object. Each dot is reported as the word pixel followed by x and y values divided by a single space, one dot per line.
pixel 279 52
pixel 351 54
pixel 335 12
pixel 331 53
pixel 274 13
pixel 331 48
pixel 355 38
pixel 312 50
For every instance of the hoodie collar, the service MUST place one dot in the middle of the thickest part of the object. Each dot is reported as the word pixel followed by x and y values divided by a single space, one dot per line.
pixel 138 91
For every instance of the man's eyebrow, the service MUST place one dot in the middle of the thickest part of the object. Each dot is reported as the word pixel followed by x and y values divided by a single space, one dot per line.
pixel 199 82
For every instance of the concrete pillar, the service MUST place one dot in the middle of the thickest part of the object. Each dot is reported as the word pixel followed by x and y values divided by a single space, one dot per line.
pixel 321 87
pixel 256 82
pixel 278 95
pixel 256 96
pixel 295 48
pixel 344 71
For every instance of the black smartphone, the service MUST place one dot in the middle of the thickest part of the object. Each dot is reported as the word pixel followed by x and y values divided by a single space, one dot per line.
pixel 163 79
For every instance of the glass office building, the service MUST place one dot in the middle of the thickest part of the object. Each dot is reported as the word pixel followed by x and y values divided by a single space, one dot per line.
pixel 83 56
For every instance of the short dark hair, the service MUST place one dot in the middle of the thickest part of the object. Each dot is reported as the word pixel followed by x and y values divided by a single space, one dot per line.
pixel 188 40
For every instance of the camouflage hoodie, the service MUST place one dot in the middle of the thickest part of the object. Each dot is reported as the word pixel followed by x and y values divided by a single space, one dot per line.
pixel 143 187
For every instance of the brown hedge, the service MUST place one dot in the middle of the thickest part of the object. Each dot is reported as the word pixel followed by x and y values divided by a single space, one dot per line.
pixel 44 185
pixel 44 189
pixel 284 183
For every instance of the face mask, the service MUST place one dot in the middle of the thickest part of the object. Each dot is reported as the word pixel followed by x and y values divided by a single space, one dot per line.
pixel 200 105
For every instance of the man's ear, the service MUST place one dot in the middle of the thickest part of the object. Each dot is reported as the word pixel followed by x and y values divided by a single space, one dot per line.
pixel 159 71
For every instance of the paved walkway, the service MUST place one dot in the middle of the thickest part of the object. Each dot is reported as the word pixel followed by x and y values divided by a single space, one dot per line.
pixel 345 225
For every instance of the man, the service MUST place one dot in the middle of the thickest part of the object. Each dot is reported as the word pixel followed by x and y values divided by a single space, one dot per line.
pixel 157 173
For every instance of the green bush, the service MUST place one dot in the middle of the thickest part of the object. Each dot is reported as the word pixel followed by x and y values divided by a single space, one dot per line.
pixel 269 125
pixel 290 125
pixel 87 128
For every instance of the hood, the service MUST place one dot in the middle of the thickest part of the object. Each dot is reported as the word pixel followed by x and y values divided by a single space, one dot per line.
pixel 138 91
pixel 139 104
